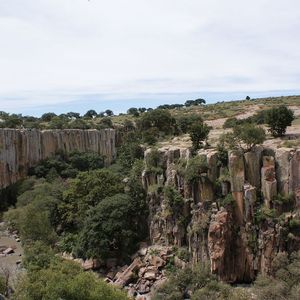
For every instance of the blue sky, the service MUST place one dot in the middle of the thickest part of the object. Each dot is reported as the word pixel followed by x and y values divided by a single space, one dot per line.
pixel 73 55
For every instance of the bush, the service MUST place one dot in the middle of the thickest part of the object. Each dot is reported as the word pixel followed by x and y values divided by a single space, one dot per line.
pixel 278 119
pixel 111 229
pixel 230 123
pixel 197 281
pixel 185 122
pixel 198 133
pixel 195 167
pixel 244 137
pixel 160 119
pixel 64 280
pixel 249 134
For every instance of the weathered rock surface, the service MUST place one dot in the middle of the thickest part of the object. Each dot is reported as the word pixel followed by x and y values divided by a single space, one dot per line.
pixel 22 149
pixel 237 238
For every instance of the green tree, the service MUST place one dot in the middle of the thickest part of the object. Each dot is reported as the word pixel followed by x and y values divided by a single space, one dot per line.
pixel 90 114
pixel 185 122
pixel 278 119
pixel 47 117
pixel 160 119
pixel 109 113
pixel 111 229
pixel 198 133
pixel 249 134
pixel 64 280
pixel 58 122
pixel 244 137
pixel 85 191
pixel 133 111
pixel 78 124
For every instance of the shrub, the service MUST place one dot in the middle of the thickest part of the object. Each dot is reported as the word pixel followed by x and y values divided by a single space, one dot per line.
pixel 64 280
pixel 198 133
pixel 195 168
pixel 249 134
pixel 278 119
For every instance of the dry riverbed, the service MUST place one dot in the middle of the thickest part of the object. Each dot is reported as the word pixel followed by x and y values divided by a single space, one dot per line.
pixel 10 253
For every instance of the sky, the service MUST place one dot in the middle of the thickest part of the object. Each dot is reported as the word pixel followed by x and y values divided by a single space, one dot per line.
pixel 75 55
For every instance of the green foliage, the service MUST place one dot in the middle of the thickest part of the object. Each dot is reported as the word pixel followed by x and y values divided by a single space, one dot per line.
pixel 244 137
pixel 222 155
pixel 86 161
pixel 250 135
pixel 47 117
pixel 85 191
pixel 200 283
pixel 90 114
pixel 228 201
pixel 176 203
pixel 278 119
pixel 196 102
pixel 68 166
pixel 185 122
pixel 128 153
pixel 198 133
pixel 3 286
pixel 196 166
pixel 264 213
pixel 37 256
pixel 183 254
pixel 294 224
pixel 231 122
pixel 64 280
pixel 284 284
pixel 78 124
pixel 36 214
pixel 111 228
pixel 159 119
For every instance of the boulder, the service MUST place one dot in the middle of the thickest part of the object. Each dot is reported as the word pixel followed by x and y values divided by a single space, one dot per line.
pixel 8 251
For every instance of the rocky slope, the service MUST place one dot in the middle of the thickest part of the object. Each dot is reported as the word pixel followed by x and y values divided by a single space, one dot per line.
pixel 239 215
pixel 22 149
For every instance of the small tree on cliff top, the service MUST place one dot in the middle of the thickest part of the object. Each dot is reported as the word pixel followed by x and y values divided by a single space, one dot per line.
pixel 278 119
pixel 244 137
pixel 198 133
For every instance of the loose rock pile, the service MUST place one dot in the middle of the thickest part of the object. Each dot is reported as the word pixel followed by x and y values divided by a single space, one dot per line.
pixel 145 273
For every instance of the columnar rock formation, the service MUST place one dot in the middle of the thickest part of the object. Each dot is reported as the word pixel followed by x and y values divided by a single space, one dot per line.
pixel 22 149
pixel 230 214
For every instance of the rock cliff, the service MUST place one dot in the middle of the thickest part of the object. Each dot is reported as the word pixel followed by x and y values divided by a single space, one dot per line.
pixel 238 214
pixel 22 149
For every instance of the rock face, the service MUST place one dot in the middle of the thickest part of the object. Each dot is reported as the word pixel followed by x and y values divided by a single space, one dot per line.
pixel 22 149
pixel 227 214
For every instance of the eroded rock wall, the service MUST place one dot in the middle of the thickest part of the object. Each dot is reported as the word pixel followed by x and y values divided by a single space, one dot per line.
pixel 231 215
pixel 22 149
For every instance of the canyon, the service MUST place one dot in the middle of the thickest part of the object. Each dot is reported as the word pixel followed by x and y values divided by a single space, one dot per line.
pixel 22 149
pixel 238 213
pixel 238 238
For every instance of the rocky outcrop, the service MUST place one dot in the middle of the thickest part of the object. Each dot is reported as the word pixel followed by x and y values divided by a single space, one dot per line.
pixel 22 149
pixel 228 215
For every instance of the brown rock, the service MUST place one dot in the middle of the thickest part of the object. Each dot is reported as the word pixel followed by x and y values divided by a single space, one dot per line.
pixel 236 171
pixel 283 157
pixel 157 261
pixel 8 251
pixel 22 149
pixel 253 166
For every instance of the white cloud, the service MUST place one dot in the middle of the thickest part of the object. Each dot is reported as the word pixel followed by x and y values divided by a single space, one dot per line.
pixel 74 47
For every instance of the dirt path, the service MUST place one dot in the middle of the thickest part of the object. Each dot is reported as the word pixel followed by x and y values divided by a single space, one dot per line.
pixel 10 261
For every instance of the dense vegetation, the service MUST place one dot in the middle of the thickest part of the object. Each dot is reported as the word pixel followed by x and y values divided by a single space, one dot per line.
pixel 74 203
